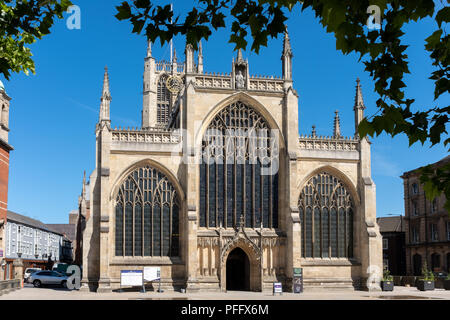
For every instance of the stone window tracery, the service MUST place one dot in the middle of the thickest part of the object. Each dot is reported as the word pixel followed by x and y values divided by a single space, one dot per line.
pixel 239 170
pixel 147 215
pixel 326 215
pixel 162 101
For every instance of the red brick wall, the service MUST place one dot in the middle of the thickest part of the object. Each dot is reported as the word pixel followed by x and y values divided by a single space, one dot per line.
pixel 4 172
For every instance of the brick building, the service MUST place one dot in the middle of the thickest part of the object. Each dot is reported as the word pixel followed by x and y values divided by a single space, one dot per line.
pixel 5 148
pixel 427 226
pixel 392 230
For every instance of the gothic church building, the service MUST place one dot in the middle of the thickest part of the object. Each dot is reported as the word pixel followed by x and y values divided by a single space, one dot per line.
pixel 219 189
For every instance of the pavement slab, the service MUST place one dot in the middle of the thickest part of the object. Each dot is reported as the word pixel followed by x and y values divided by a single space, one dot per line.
pixel 51 293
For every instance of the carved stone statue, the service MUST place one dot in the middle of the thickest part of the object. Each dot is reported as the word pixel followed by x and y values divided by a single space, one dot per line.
pixel 240 84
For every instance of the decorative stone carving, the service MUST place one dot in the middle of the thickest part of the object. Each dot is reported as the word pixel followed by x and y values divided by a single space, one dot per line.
pixel 240 80
pixel 141 136
pixel 240 239
pixel 328 144
pixel 205 242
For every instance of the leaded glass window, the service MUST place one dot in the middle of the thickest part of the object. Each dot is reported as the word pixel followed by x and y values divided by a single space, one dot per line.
pixel 239 170
pixel 147 215
pixel 162 101
pixel 326 215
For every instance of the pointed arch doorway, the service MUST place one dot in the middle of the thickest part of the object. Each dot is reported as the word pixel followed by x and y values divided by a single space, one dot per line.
pixel 238 271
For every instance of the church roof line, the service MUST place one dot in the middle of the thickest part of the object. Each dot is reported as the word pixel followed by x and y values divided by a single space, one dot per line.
pixel 329 138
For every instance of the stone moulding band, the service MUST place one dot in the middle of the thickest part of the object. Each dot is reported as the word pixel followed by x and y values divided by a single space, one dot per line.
pixel 225 82
pixel 143 136
pixel 328 144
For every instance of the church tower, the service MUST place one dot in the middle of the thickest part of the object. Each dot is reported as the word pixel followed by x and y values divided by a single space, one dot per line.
pixel 158 100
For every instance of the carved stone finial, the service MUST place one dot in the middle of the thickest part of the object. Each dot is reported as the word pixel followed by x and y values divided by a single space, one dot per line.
pixel 83 188
pixel 149 49
pixel 200 58
pixel 105 92
pixel 239 56
pixel 359 101
pixel 242 222
pixel 287 49
pixel 337 125
pixel 105 98
pixel 174 56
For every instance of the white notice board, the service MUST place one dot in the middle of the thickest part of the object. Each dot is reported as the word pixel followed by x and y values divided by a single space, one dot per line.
pixel 152 273
pixel 131 277
pixel 277 287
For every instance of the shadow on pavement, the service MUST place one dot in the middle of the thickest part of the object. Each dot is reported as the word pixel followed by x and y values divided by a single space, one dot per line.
pixel 47 287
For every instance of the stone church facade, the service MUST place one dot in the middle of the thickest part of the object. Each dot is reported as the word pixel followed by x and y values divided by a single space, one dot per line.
pixel 219 190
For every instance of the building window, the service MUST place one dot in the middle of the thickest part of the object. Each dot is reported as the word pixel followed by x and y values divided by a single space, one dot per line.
pixel 434 207
pixel 326 216
pixel 415 235
pixel 8 237
pixel 435 262
pixel 236 174
pixel 147 215
pixel 434 232
pixel 417 264
pixel 163 101
pixel 414 208
pixel 385 244
pixel 415 188
pixel 448 231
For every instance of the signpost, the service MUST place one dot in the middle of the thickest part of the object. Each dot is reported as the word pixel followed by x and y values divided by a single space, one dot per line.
pixel 298 280
pixel 277 288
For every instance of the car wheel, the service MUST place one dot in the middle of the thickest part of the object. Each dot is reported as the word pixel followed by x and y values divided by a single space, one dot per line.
pixel 36 283
pixel 64 284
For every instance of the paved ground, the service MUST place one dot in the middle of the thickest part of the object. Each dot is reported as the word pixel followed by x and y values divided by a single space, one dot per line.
pixel 399 293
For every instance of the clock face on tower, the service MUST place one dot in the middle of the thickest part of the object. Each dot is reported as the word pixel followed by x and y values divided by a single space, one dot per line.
pixel 174 84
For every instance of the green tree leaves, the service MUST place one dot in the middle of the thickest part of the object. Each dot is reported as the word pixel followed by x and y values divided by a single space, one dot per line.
pixel 21 23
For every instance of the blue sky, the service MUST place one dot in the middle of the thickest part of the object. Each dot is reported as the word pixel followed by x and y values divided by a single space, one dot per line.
pixel 53 113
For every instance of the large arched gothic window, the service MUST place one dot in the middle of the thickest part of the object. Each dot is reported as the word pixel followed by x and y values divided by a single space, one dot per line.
pixel 239 170
pixel 163 101
pixel 147 215
pixel 326 216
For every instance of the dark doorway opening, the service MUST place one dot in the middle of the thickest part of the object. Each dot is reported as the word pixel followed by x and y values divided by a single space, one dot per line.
pixel 417 264
pixel 435 262
pixel 448 262
pixel 238 271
